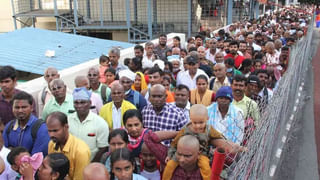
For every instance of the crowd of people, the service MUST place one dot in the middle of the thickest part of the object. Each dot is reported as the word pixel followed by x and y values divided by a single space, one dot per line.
pixel 158 115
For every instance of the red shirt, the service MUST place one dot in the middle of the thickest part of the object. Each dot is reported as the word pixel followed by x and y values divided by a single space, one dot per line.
pixel 237 60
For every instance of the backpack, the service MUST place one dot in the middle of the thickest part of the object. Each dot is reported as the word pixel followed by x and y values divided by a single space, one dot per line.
pixel 104 94
pixel 43 95
pixel 211 84
pixel 34 128
pixel 136 98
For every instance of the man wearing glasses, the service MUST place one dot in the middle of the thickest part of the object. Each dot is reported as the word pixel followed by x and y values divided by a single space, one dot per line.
pixel 96 86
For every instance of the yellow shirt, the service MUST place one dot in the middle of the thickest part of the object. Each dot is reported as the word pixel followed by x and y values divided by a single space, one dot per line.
pixel 106 111
pixel 78 154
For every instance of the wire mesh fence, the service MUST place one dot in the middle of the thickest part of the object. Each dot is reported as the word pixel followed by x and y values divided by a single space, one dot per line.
pixel 267 142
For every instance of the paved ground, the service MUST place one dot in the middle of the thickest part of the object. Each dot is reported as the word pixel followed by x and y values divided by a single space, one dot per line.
pixel 300 155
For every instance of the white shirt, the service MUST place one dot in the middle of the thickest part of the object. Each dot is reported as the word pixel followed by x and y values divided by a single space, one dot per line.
pixel 185 78
pixel 94 131
pixel 47 97
pixel 8 173
pixel 256 47
pixel 210 56
pixel 270 94
pixel 116 116
pixel 146 62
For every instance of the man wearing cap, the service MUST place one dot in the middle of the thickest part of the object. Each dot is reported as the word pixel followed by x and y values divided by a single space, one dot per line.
pixel 189 77
pixel 88 126
pixel 248 106
pixel 62 101
pixel 225 117
pixel 96 101
pixel 252 90
pixel 126 79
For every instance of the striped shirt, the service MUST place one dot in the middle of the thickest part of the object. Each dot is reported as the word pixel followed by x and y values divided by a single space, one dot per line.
pixel 231 125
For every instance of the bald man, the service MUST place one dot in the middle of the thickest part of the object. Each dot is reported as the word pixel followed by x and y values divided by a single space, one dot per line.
pixel 95 171
pixel 96 101
pixel 62 100
pixel 220 79
pixel 162 116
pixel 187 154
pixel 44 95
pixel 113 111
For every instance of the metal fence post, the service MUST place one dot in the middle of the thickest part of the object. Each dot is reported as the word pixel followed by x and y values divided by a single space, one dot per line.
pixel 149 20
pixel 128 18
pixel 14 15
pixel 56 13
pixel 229 19
pixel 101 12
pixel 189 18
pixel 257 10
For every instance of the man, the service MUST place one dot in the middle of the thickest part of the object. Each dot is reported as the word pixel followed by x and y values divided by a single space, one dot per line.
pixel 8 81
pixel 212 51
pixel 113 111
pixel 138 51
pixel 252 90
pixel 114 56
pixel 101 89
pixel 62 101
pixel 189 77
pixel 155 77
pixel 249 107
pixel 264 92
pixel 198 40
pixel 220 79
pixel 162 47
pixel 64 142
pixel 126 79
pixel 162 116
pixel 250 39
pixel 96 101
pixel 225 117
pixel 188 151
pixel 88 126
pixel 7 173
pixel 149 55
pixel 26 129
pixel 243 50
pixel 44 96
pixel 95 171
pixel 233 47
pixel 203 61
pixel 176 64
pixel 181 97
pixel 219 57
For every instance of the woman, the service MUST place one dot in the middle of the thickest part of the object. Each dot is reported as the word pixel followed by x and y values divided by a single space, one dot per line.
pixel 140 83
pixel 118 138
pixel 132 121
pixel 122 164
pixel 202 95
pixel 54 166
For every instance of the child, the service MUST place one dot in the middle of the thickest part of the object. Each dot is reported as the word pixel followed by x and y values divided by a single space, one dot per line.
pixel 197 127
pixel 149 164
pixel 21 162
pixel 122 165
pixel 104 65
pixel 110 76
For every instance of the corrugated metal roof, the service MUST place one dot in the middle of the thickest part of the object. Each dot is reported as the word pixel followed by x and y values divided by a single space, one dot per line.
pixel 25 49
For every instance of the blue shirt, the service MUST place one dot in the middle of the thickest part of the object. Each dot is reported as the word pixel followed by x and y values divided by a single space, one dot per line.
pixel 22 137
pixel 130 97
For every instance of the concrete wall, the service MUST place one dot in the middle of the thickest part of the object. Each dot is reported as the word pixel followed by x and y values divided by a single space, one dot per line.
pixel 6 20
pixel 35 86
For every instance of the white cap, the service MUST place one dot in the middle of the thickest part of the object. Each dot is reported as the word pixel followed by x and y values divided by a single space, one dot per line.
pixel 127 73
pixel 160 63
